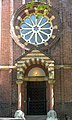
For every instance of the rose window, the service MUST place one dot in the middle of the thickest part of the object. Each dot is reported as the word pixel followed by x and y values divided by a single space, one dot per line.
pixel 34 30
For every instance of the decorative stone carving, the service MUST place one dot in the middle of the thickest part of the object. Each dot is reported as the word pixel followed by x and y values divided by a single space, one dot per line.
pixel 51 115
pixel 20 73
pixel 19 114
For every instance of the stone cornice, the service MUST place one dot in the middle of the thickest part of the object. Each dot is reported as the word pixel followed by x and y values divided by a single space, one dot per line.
pixel 5 67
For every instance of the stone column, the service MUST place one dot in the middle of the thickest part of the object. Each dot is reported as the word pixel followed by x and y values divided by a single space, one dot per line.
pixel 51 83
pixel 19 82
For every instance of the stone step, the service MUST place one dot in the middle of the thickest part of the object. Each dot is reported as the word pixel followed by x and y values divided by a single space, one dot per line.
pixel 37 117
pixel 11 118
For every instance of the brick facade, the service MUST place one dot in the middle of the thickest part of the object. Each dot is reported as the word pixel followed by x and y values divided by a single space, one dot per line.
pixel 61 52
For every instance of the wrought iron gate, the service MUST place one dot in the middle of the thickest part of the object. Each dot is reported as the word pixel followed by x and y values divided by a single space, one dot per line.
pixel 36 98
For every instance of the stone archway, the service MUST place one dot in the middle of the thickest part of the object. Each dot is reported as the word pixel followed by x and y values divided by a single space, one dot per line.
pixel 34 57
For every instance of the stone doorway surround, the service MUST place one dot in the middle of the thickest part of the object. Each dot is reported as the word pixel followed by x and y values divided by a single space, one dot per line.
pixel 24 63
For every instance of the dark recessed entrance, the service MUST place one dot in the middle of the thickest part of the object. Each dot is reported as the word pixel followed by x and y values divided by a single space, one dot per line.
pixel 36 98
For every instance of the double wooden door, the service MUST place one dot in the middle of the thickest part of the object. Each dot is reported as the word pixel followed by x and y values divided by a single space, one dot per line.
pixel 36 98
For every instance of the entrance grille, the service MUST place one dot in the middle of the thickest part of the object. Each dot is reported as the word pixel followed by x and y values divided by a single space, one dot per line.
pixel 36 98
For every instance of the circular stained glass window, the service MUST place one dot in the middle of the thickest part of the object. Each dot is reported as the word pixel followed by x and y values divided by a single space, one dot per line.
pixel 36 31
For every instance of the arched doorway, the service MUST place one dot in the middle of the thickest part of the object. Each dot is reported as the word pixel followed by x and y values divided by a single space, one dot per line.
pixel 36 92
pixel 34 70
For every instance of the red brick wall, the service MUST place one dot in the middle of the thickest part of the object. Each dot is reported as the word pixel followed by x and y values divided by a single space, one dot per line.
pixel 5 42
pixel 6 59
pixel 17 3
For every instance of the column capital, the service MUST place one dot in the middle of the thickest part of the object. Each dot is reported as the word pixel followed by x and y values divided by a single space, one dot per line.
pixel 51 82
pixel 19 82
